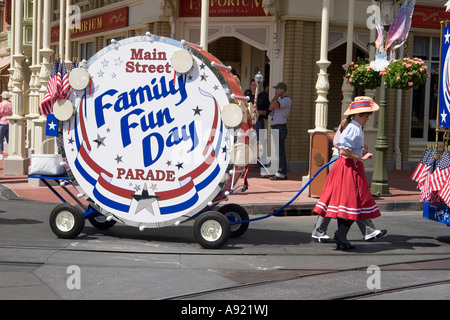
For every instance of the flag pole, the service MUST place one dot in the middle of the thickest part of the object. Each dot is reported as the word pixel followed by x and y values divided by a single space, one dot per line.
pixel 62 16
pixel 204 25
pixel 67 29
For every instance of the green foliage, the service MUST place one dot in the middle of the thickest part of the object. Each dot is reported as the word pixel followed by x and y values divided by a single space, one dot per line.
pixel 405 74
pixel 361 75
pixel 400 74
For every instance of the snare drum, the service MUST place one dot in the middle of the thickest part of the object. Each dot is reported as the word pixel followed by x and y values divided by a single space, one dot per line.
pixel 147 141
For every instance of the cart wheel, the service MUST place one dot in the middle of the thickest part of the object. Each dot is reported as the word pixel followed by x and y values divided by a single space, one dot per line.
pixel 100 222
pixel 234 213
pixel 212 230
pixel 67 221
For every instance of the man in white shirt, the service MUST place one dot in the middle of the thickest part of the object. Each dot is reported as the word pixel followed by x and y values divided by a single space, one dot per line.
pixel 281 107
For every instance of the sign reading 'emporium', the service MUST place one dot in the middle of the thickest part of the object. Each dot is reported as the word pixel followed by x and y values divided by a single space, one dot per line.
pixel 99 23
pixel 147 143
pixel 223 8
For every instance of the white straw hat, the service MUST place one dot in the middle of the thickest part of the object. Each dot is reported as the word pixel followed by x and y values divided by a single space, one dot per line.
pixel 6 95
pixel 362 105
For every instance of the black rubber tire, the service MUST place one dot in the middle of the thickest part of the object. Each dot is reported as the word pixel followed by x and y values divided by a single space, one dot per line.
pixel 235 212
pixel 67 221
pixel 212 230
pixel 101 223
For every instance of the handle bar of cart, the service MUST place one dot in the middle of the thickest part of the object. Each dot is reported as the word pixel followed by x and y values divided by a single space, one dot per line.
pixel 62 182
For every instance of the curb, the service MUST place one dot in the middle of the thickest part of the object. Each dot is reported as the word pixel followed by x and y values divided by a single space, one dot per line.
pixel 8 194
pixel 305 209
pixel 402 205
pixel 294 209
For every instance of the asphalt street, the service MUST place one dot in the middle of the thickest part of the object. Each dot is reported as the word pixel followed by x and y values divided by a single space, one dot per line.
pixel 273 260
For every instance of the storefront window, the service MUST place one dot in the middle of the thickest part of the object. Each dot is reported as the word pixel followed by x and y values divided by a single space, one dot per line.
pixel 86 50
pixel 424 99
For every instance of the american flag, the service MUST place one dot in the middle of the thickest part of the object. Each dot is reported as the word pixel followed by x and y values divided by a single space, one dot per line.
pixel 66 89
pixel 445 192
pixel 427 194
pixel 428 168
pixel 442 172
pixel 64 82
pixel 52 90
pixel 416 174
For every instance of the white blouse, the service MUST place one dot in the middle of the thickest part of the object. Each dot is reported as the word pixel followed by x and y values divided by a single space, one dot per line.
pixel 352 138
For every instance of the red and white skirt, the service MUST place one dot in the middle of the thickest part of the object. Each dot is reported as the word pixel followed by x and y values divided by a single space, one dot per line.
pixel 346 193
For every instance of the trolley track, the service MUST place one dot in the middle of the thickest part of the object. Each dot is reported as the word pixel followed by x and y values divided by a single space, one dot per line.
pixel 354 296
pixel 380 292
pixel 222 252
pixel 314 273
pixel 264 277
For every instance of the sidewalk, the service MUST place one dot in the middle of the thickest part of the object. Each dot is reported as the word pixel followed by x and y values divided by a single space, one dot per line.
pixel 262 197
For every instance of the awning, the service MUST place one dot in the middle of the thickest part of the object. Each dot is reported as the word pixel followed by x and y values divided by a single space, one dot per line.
pixel 4 62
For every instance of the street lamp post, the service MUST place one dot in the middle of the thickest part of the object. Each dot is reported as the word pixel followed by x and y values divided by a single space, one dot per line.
pixel 380 186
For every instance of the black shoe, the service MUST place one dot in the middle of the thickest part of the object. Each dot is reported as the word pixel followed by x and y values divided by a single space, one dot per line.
pixel 343 245
pixel 275 177
pixel 382 233
pixel 378 235
pixel 322 240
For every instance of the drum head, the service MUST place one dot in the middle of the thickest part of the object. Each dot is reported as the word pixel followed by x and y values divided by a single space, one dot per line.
pixel 148 144
pixel 63 109
pixel 79 78
pixel 182 61
pixel 232 115
pixel 240 154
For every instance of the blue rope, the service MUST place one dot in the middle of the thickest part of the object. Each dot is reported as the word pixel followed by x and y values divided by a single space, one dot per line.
pixel 290 201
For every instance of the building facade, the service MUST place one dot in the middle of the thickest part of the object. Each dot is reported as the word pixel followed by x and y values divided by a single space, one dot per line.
pixel 282 39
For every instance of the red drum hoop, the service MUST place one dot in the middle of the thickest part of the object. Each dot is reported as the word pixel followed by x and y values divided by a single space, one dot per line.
pixel 232 86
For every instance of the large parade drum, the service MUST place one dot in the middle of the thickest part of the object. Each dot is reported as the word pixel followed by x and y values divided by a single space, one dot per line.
pixel 159 131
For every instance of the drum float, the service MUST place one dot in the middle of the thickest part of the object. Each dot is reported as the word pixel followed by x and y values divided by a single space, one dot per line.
pixel 151 137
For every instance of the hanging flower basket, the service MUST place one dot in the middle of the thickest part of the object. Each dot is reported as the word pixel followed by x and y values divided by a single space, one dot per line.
pixel 405 74
pixel 399 74
pixel 361 75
